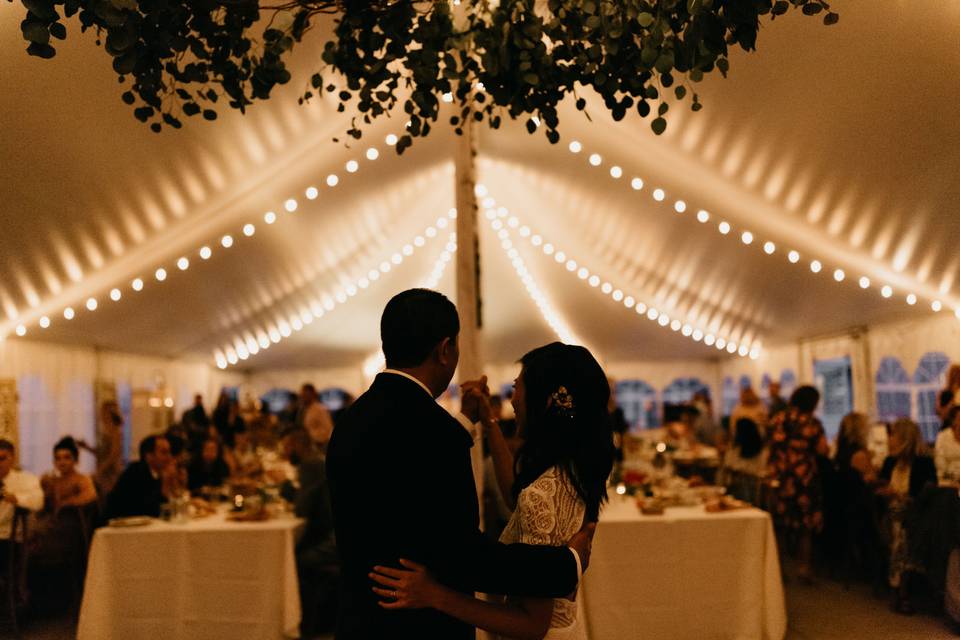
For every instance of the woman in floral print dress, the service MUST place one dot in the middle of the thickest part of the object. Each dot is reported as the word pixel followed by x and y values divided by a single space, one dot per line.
pixel 796 438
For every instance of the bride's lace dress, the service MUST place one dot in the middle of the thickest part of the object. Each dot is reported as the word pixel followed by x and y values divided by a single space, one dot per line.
pixel 549 512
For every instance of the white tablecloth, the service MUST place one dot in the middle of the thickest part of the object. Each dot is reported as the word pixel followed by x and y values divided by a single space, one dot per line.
pixel 685 574
pixel 206 579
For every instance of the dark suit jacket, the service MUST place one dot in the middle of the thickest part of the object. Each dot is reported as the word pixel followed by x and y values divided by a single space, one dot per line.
pixel 137 493
pixel 402 485
pixel 922 472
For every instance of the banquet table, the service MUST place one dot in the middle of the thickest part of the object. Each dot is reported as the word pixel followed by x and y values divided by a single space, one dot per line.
pixel 684 574
pixel 206 579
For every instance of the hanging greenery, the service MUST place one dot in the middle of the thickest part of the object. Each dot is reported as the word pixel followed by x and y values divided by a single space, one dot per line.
pixel 514 58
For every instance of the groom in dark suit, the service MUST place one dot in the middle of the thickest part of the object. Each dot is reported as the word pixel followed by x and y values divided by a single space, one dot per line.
pixel 402 485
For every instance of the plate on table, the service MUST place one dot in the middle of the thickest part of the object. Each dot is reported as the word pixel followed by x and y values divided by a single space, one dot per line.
pixel 133 521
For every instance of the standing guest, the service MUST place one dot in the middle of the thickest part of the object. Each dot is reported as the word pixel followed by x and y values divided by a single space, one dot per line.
pixel 850 530
pixel 196 414
pixel 314 417
pixel 619 422
pixel 109 447
pixel 852 452
pixel 705 425
pixel 208 469
pixel 775 402
pixel 796 438
pixel 226 422
pixel 906 471
pixel 316 551
pixel 751 408
pixel 946 451
pixel 745 460
pixel 949 396
pixel 17 489
pixel 221 416
pixel 146 483
pixel 66 487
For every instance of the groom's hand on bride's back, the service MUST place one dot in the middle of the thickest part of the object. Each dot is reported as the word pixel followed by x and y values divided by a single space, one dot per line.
pixel 582 543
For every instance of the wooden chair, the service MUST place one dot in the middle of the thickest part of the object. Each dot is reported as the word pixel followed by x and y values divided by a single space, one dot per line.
pixel 13 581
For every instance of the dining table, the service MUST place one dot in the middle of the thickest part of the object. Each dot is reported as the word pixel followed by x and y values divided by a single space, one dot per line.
pixel 685 574
pixel 208 578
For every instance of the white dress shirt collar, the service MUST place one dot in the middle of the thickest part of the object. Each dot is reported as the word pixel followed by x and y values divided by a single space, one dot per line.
pixel 410 377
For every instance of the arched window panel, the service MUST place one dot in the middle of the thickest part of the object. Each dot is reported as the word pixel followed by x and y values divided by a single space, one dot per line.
pixel 681 390
pixel 928 379
pixel 638 400
pixel 932 369
pixel 278 400
pixel 893 390
pixel 334 398
pixel 730 395
pixel 788 383
pixel 745 382
pixel 764 391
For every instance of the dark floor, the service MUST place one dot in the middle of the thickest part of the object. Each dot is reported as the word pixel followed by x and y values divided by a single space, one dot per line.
pixel 824 611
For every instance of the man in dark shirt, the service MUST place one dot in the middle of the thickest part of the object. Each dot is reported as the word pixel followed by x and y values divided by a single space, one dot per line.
pixel 139 491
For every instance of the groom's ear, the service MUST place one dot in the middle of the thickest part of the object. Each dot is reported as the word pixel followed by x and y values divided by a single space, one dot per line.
pixel 446 351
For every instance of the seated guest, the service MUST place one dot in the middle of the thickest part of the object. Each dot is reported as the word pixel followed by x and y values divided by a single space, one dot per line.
pixel 146 483
pixel 314 417
pixel 947 448
pixel 208 469
pixel 242 459
pixel 906 471
pixel 66 487
pixel 17 489
pixel 54 535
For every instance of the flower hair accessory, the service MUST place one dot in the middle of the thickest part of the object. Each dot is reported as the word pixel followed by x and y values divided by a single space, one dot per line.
pixel 562 401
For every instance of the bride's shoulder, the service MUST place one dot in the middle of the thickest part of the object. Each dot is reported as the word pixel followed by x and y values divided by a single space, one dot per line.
pixel 547 483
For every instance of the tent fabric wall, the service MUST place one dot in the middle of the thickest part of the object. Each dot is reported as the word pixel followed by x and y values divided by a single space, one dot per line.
pixel 55 385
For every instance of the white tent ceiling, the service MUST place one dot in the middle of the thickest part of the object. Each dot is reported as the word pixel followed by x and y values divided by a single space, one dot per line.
pixel 839 143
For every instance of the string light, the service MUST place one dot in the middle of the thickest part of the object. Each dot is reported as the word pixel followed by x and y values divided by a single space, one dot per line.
pixel 747 237
pixel 547 311
pixel 91 304
pixel 283 328
pixel 593 280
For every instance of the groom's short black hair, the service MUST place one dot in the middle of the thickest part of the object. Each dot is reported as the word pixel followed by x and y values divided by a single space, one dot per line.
pixel 413 323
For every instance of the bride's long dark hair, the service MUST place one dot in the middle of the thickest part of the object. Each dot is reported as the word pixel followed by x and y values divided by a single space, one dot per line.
pixel 570 430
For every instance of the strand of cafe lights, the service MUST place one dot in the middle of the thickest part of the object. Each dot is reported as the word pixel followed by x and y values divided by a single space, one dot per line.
pixel 376 362
pixel 244 346
pixel 205 252
pixel 501 220
pixel 547 310
pixel 747 237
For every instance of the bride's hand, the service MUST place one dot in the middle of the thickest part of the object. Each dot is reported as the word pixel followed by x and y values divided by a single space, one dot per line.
pixel 409 588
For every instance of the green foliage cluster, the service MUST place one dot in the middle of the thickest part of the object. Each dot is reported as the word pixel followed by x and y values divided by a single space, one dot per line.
pixel 514 58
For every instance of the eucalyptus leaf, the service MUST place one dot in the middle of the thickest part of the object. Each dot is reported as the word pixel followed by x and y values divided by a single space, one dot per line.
pixel 399 56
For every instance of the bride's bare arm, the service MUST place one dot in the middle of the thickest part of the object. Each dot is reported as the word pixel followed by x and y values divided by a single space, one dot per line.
pixel 502 460
pixel 415 588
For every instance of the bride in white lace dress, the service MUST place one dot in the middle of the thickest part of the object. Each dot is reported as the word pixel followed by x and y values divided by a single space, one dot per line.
pixel 558 481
